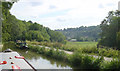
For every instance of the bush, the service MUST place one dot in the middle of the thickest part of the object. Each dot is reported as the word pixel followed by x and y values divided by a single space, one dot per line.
pixel 89 50
pixel 84 61
pixel 57 44
pixel 75 59
pixel 87 62
pixel 108 52
pixel 113 65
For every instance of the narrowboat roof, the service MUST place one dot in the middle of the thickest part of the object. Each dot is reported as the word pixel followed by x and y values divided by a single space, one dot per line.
pixel 9 57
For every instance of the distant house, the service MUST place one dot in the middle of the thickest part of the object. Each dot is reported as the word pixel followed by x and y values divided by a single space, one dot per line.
pixel 73 40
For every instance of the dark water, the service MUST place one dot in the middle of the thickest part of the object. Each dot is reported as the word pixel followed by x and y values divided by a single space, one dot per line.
pixel 38 61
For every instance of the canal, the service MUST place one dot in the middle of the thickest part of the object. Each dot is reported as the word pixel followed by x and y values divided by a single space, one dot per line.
pixel 39 61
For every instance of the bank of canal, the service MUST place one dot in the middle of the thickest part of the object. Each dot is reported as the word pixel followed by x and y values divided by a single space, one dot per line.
pixel 42 62
pixel 39 61
pixel 42 58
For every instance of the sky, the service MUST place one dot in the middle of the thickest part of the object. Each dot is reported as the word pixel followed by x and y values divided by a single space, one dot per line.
pixel 60 14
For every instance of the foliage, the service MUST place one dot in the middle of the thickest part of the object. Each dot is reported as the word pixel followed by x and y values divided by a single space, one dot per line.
pixel 113 65
pixel 110 30
pixel 108 52
pixel 59 55
pixel 82 33
pixel 14 29
pixel 76 59
pixel 84 47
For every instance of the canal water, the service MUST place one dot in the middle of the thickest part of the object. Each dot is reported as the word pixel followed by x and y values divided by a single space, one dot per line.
pixel 37 60
pixel 42 62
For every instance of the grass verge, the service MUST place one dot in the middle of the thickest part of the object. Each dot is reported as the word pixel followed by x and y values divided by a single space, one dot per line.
pixel 77 59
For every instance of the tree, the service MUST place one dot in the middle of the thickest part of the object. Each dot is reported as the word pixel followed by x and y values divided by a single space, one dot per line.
pixel 110 30
pixel 14 29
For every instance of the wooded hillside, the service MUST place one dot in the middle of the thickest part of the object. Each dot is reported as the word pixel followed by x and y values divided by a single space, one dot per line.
pixel 82 33
pixel 14 29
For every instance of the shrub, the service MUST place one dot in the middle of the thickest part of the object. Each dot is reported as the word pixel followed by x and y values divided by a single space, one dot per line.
pixel 79 60
pixel 76 59
pixel 108 52
pixel 113 65
pixel 87 62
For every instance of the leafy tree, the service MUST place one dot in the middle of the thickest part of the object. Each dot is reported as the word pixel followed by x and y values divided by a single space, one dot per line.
pixel 110 30
pixel 14 29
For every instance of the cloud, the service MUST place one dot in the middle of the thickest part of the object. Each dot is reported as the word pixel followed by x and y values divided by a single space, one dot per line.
pixel 55 13
pixel 52 7
pixel 36 3
pixel 59 14
pixel 60 20
pixel 101 6
pixel 110 4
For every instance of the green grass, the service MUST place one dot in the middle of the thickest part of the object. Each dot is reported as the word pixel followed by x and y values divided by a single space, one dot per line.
pixel 75 46
pixel 81 44
pixel 84 47
pixel 76 60
pixel 91 48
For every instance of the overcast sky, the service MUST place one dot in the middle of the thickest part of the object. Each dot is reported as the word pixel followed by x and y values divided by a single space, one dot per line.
pixel 59 14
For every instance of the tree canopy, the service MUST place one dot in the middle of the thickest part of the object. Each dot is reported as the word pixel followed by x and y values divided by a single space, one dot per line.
pixel 82 33
pixel 14 29
pixel 110 26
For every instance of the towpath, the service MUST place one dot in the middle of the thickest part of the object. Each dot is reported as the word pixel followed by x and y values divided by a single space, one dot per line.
pixel 69 52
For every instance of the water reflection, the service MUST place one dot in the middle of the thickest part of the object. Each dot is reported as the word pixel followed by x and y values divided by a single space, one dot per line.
pixel 38 61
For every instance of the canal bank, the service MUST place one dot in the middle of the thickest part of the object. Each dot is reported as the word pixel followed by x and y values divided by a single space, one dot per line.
pixel 69 52
pixel 74 61
pixel 40 61
pixel 78 60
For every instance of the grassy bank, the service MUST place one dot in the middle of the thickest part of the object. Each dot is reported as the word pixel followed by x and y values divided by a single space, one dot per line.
pixel 69 46
pixel 84 47
pixel 77 59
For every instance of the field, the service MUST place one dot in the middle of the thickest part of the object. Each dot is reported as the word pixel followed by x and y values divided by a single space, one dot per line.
pixel 81 44
pixel 91 48
pixel 75 46
pixel 77 59
pixel 82 47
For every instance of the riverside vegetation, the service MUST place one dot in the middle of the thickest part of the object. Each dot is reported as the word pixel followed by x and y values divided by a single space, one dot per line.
pixel 15 29
pixel 84 47
pixel 77 59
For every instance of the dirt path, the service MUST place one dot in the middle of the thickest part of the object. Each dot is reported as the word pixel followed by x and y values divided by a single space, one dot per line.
pixel 69 52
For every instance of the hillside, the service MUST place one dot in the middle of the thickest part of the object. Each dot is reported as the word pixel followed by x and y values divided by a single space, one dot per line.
pixel 82 33
pixel 14 29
